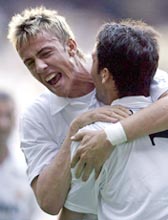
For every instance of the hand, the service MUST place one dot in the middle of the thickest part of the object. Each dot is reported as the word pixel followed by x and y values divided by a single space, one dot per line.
pixel 103 114
pixel 93 151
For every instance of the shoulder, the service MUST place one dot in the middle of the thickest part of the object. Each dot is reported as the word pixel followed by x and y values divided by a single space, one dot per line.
pixel 41 103
pixel 161 75
pixel 159 84
pixel 36 108
pixel 44 106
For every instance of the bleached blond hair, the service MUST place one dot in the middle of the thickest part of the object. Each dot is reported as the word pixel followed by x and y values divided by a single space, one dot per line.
pixel 33 21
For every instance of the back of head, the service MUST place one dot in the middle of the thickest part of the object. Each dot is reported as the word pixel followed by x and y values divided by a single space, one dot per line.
pixel 129 49
pixel 37 20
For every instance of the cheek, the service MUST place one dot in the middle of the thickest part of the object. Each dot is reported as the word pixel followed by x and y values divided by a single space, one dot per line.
pixel 93 73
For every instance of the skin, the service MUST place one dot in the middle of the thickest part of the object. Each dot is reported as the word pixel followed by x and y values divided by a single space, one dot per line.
pixel 105 88
pixel 147 121
pixel 70 215
pixel 91 149
pixel 44 56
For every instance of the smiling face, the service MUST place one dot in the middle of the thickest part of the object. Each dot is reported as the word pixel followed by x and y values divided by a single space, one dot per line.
pixel 49 62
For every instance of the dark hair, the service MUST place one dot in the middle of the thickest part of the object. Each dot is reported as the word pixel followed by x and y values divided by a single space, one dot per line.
pixel 129 49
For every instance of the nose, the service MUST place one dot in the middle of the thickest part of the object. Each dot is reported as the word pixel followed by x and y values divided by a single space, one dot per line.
pixel 41 66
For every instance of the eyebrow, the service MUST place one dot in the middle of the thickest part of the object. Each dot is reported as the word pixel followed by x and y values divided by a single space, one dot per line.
pixel 44 48
pixel 40 51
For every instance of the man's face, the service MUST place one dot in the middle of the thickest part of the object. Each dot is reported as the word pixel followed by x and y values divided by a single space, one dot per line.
pixel 6 119
pixel 49 62
pixel 97 77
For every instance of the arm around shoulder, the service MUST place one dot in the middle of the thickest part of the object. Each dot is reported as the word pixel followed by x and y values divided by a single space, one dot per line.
pixel 147 121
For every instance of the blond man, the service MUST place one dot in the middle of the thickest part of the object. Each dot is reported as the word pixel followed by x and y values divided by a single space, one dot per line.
pixel 48 48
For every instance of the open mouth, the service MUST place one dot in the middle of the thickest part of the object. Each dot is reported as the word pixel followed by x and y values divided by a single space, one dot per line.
pixel 53 78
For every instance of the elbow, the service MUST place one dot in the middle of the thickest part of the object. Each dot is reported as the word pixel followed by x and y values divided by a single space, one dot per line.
pixel 52 209
pixel 50 199
pixel 46 201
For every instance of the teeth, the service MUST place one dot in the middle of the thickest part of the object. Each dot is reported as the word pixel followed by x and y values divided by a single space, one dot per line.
pixel 50 77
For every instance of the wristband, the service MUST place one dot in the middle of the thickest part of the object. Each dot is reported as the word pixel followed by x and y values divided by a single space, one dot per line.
pixel 115 134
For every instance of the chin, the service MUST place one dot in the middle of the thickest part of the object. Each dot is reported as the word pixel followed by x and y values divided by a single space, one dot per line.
pixel 60 93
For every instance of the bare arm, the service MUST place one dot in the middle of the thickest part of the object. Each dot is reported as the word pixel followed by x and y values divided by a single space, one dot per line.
pixel 52 185
pixel 70 215
pixel 104 114
pixel 149 120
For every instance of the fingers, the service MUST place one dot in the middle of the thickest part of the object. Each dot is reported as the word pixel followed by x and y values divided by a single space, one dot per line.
pixel 86 172
pixel 113 113
pixel 121 108
pixel 78 136
pixel 97 171
pixel 84 166
pixel 121 111
pixel 80 167
pixel 85 169
pixel 75 160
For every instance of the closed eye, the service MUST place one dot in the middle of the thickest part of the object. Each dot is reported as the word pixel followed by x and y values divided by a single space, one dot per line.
pixel 45 54
pixel 29 63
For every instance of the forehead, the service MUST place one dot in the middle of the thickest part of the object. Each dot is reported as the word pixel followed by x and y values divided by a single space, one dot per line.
pixel 38 41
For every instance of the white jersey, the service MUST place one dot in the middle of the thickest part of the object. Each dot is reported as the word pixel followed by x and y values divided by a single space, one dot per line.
pixel 133 183
pixel 45 123
pixel 16 198
pixel 44 126
pixel 158 85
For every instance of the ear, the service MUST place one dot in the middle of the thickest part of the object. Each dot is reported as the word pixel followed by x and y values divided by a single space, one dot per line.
pixel 71 47
pixel 105 75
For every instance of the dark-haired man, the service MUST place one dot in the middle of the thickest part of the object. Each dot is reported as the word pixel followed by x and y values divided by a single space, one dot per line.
pixel 48 48
pixel 133 182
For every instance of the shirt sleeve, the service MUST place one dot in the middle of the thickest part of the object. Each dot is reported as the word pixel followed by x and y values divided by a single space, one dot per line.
pixel 159 84
pixel 37 145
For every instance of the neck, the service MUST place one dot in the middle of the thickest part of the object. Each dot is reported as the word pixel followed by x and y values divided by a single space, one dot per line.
pixel 81 89
pixel 82 83
pixel 109 96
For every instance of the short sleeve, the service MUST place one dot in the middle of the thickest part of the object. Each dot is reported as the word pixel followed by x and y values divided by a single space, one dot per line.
pixel 37 145
pixel 159 84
